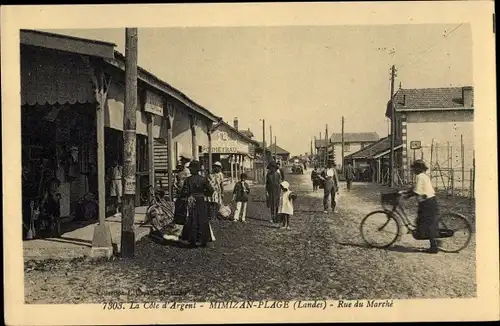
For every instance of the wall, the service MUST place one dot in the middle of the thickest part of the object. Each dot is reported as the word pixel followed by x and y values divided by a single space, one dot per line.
pixel 443 129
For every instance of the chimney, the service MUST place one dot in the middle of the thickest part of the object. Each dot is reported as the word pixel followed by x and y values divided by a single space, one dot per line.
pixel 468 96
pixel 235 123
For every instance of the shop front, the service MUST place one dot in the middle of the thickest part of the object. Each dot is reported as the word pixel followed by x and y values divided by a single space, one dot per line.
pixel 58 135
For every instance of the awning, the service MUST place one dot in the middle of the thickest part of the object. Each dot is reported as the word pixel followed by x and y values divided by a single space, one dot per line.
pixel 54 79
pixel 387 152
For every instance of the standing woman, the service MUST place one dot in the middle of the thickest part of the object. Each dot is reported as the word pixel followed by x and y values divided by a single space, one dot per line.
pixel 216 179
pixel 180 201
pixel 273 189
pixel 197 230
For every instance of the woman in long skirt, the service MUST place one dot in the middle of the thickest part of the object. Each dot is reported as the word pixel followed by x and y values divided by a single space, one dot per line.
pixel 197 229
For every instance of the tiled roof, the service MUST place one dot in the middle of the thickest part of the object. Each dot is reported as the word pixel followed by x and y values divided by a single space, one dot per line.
pixel 350 137
pixel 275 148
pixel 430 98
pixel 247 133
pixel 381 146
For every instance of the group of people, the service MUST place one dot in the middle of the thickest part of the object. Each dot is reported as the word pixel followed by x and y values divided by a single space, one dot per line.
pixel 279 197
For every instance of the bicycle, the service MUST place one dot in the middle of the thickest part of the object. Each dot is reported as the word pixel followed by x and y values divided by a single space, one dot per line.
pixel 452 226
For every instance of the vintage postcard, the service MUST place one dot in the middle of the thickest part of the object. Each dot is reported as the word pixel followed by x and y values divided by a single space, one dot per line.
pixel 250 163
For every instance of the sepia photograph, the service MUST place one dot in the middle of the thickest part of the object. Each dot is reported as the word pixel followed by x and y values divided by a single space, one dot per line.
pixel 250 168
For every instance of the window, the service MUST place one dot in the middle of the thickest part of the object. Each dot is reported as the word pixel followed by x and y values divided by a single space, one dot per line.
pixel 347 147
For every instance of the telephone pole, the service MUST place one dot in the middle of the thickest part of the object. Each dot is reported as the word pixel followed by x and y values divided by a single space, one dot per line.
pixel 311 153
pixel 393 127
pixel 129 144
pixel 342 144
pixel 271 140
pixel 327 144
pixel 264 150
pixel 275 150
pixel 320 153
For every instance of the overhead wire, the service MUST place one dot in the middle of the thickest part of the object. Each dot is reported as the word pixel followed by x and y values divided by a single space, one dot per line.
pixel 432 46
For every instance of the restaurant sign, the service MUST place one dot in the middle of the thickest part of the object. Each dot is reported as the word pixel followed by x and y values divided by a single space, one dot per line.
pixel 153 103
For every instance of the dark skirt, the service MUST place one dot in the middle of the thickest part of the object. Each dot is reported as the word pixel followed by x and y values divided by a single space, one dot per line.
pixel 427 219
pixel 197 226
pixel 180 211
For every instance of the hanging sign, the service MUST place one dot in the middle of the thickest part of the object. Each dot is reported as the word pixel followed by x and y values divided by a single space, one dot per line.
pixel 416 144
pixel 153 103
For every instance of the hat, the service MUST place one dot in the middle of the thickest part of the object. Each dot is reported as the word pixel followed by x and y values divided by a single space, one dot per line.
pixel 219 164
pixel 419 164
pixel 285 185
pixel 195 165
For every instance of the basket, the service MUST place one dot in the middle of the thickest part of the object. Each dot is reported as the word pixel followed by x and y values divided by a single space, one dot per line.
pixel 389 198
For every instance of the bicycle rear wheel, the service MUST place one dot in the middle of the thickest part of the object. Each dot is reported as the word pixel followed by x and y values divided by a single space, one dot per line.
pixel 462 232
pixel 380 229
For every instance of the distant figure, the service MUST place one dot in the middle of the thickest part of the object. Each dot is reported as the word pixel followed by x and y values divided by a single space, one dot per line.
pixel 115 190
pixel 240 196
pixel 349 175
pixel 331 186
pixel 315 178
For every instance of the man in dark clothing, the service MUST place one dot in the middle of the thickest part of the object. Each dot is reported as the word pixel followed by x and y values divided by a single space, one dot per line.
pixel 331 186
pixel 281 171
pixel 349 175
pixel 273 190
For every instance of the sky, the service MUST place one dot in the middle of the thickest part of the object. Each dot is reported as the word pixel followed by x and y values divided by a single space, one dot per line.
pixel 299 78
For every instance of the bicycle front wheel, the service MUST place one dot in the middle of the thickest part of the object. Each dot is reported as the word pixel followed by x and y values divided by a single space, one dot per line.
pixel 461 232
pixel 380 229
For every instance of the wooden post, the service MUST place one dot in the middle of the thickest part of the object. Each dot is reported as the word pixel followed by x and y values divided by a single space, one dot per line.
pixel 271 140
pixel 170 155
pixel 327 144
pixel 462 156
pixel 473 174
pixel 210 159
pixel 343 171
pixel 437 164
pixel 275 150
pixel 129 142
pixel 102 244
pixel 194 143
pixel 393 127
pixel 151 144
pixel 264 150
pixel 430 164
pixel 452 172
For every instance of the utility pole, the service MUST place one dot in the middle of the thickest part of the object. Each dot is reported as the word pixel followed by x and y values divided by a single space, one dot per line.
pixel 320 153
pixel 264 146
pixel 271 140
pixel 311 153
pixel 393 127
pixel 275 150
pixel 129 144
pixel 327 144
pixel 343 145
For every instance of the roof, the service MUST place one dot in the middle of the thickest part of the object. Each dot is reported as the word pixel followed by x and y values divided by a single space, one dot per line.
pixel 261 145
pixel 163 86
pixel 372 150
pixel 278 150
pixel 67 43
pixel 350 137
pixel 430 98
pixel 247 133
pixel 222 122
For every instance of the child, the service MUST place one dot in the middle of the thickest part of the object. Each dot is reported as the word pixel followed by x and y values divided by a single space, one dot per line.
pixel 315 178
pixel 285 209
pixel 240 196
pixel 427 215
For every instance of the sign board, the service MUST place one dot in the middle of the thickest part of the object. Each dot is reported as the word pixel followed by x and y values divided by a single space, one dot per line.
pixel 222 144
pixel 416 144
pixel 153 103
